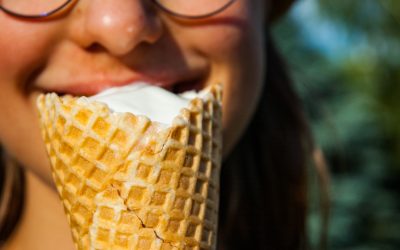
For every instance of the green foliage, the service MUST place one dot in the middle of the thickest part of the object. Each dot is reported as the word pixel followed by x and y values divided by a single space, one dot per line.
pixel 352 97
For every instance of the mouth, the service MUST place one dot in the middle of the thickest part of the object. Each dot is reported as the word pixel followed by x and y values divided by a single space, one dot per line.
pixel 87 89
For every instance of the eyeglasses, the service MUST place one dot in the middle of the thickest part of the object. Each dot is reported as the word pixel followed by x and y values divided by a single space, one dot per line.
pixel 182 8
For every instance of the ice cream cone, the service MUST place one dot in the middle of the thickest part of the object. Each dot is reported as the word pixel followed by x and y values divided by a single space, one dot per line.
pixel 127 182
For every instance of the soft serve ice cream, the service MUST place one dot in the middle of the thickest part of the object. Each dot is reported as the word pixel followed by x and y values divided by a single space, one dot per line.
pixel 154 102
pixel 142 99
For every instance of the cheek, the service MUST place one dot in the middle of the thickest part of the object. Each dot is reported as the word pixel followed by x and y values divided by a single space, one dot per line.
pixel 19 132
pixel 24 46
pixel 231 35
pixel 235 49
pixel 226 42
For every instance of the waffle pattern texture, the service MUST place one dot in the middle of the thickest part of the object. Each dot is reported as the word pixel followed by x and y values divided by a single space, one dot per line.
pixel 129 183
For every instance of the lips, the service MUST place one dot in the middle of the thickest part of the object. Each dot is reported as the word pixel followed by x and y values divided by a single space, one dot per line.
pixel 177 83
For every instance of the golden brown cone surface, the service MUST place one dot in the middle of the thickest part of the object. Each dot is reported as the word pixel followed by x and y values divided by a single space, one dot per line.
pixel 129 183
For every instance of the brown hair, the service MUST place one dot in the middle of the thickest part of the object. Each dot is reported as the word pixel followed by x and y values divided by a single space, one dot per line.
pixel 278 8
pixel 263 182
pixel 12 197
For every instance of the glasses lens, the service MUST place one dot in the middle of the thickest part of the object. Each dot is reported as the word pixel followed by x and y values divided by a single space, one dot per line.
pixel 32 7
pixel 194 8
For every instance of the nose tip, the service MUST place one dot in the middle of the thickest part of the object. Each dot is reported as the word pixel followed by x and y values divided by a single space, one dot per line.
pixel 120 25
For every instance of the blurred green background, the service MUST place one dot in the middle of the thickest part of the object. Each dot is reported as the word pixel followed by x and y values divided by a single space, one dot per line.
pixel 344 57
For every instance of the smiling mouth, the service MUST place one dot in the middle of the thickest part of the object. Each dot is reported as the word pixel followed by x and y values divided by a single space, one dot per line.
pixel 87 90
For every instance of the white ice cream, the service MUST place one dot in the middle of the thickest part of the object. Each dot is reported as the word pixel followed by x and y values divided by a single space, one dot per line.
pixel 154 102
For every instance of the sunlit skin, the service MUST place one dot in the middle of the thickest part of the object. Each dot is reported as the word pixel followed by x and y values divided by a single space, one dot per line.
pixel 98 44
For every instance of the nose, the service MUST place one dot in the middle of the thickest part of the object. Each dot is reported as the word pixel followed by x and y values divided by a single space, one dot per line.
pixel 118 25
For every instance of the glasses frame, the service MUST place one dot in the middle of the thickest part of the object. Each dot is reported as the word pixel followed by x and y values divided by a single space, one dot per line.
pixel 156 2
pixel 38 16
pixel 172 13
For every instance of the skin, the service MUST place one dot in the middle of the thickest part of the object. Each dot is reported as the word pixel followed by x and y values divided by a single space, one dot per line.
pixel 97 44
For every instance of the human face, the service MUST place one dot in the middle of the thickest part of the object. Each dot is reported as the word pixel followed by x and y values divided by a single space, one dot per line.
pixel 99 44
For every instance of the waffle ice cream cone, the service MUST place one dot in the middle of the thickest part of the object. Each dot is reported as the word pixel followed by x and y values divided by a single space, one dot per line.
pixel 127 182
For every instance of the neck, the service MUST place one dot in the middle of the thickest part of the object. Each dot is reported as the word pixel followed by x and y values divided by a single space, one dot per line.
pixel 43 224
